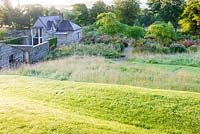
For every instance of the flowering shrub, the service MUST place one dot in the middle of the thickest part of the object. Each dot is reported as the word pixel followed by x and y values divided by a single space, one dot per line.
pixel 177 48
pixel 188 43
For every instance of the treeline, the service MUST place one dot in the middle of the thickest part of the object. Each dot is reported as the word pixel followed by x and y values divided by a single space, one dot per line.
pixel 184 14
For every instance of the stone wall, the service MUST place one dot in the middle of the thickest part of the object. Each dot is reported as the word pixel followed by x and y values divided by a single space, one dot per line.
pixel 68 38
pixel 10 57
pixel 17 33
pixel 38 52
pixel 35 53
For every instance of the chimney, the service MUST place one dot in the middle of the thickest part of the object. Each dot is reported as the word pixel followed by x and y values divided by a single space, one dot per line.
pixel 61 16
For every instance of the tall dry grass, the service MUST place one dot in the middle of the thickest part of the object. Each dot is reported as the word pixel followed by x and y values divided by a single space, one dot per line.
pixel 101 70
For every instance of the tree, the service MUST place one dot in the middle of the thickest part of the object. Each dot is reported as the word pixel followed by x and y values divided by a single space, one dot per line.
pixel 20 20
pixel 146 18
pixel 163 32
pixel 32 12
pixel 97 8
pixel 191 17
pixel 108 24
pixel 6 10
pixel 127 10
pixel 82 14
pixel 53 11
pixel 167 10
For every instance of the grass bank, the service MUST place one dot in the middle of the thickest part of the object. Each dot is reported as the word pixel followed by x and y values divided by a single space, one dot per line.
pixel 101 70
pixel 34 105
pixel 186 59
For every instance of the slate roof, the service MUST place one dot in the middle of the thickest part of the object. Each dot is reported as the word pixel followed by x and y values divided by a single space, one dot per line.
pixel 67 25
pixel 56 21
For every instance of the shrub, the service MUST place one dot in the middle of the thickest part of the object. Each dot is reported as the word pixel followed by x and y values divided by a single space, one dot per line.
pixel 165 50
pixel 183 35
pixel 3 31
pixel 52 43
pixel 17 41
pixel 135 32
pixel 110 51
pixel 138 43
pixel 152 47
pixel 188 43
pixel 163 32
pixel 193 48
pixel 177 48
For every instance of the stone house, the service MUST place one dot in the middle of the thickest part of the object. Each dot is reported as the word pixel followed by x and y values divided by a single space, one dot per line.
pixel 55 26
pixel 35 47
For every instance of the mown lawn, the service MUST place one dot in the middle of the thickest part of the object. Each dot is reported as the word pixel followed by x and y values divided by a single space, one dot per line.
pixel 35 105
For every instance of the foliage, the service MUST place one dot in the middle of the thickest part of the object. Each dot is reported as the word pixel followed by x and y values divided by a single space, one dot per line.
pixel 183 35
pixel 16 41
pixel 32 12
pixel 167 10
pixel 191 17
pixel 6 11
pixel 177 48
pixel 82 14
pixel 135 32
pixel 164 32
pixel 193 48
pixel 106 50
pixel 139 42
pixel 146 17
pixel 127 10
pixel 3 31
pixel 52 43
pixel 88 29
pixel 97 8
pixel 108 24
pixel 165 50
pixel 188 43
pixel 52 11
pixel 92 37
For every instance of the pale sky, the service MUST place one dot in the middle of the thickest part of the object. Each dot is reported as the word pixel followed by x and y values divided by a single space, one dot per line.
pixel 64 2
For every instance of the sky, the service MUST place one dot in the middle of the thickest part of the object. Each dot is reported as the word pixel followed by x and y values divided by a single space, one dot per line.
pixel 64 2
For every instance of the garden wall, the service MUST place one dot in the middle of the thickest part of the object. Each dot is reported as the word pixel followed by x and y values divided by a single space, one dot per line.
pixel 10 57
pixel 35 53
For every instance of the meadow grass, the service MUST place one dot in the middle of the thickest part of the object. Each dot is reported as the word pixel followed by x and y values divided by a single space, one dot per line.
pixel 35 105
pixel 101 70
pixel 186 59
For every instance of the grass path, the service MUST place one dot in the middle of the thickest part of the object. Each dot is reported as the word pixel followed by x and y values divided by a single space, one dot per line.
pixel 34 105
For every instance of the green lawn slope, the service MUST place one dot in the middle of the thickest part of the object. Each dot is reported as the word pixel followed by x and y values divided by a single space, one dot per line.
pixel 34 105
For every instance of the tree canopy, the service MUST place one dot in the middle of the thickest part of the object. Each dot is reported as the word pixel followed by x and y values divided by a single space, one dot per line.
pixel 191 17
pixel 109 24
pixel 97 8
pixel 126 10
pixel 167 10
pixel 82 14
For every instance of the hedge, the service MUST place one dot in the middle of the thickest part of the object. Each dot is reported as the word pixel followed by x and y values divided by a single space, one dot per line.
pixel 17 41
pixel 52 43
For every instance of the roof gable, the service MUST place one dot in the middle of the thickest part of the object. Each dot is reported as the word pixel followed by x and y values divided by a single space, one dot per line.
pixel 61 25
